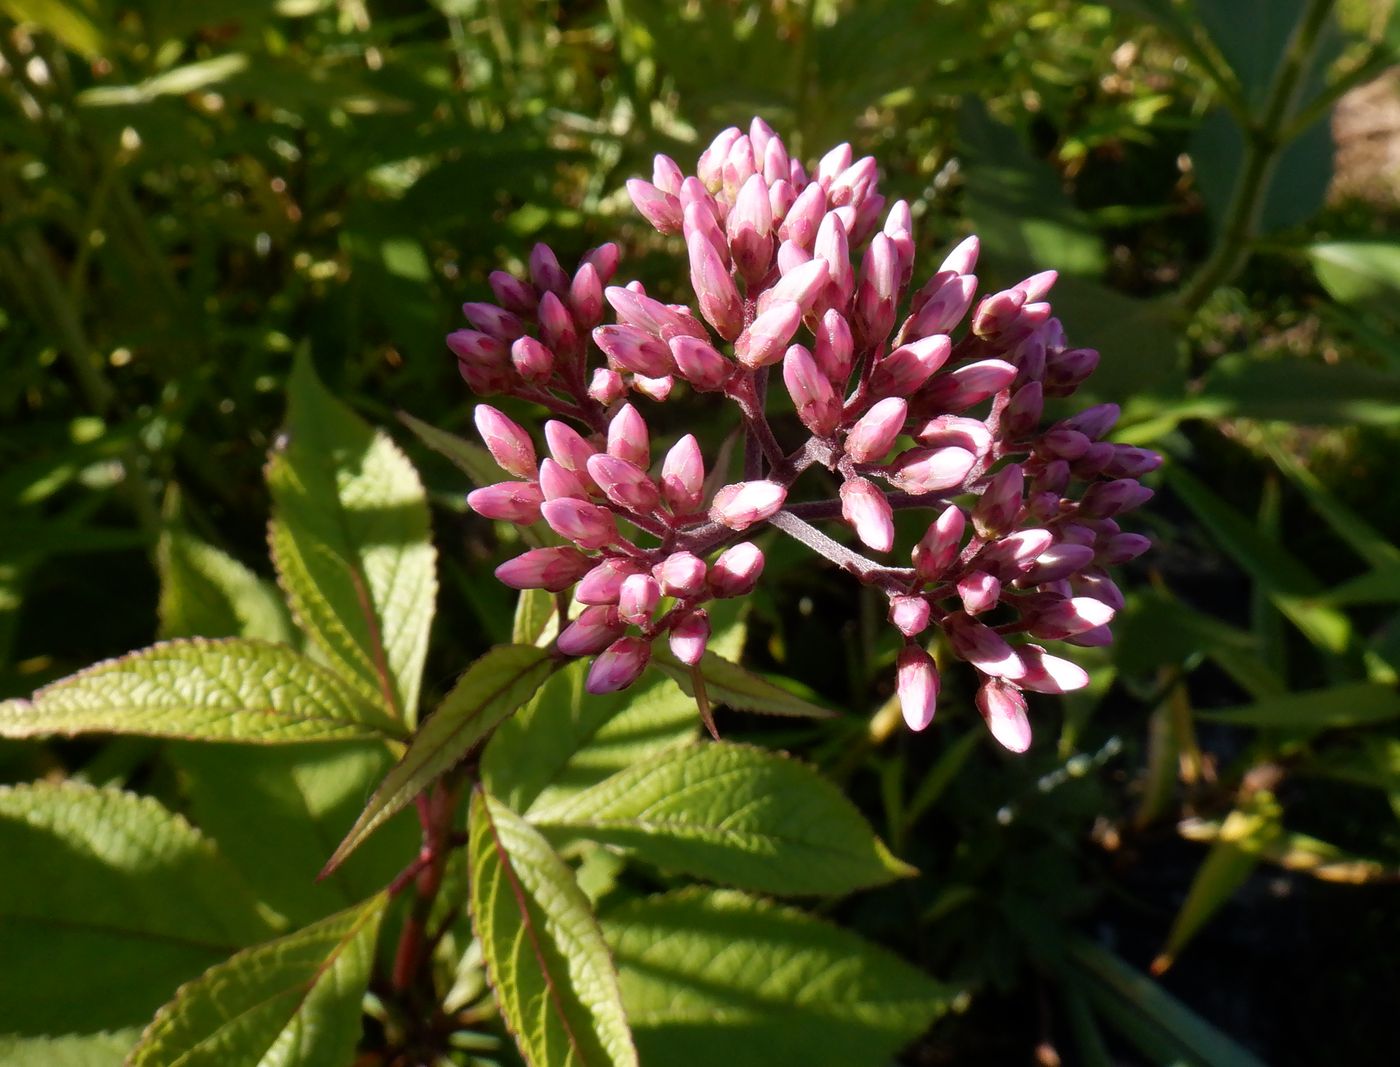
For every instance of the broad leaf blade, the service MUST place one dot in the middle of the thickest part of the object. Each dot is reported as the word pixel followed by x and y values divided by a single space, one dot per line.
pixel 554 980
pixel 733 814
pixel 225 690
pixel 1335 707
pixel 729 683
pixel 204 592
pixel 471 459
pixel 295 1000
pixel 718 977
pixel 119 902
pixel 69 1050
pixel 350 541
pixel 491 690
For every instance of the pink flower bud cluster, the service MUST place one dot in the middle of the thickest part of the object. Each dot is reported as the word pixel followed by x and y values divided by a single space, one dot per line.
pixel 910 397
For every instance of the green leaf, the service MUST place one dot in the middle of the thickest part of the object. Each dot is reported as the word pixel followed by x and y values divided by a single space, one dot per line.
pixel 310 793
pixel 204 592
pixel 295 1000
pixel 718 977
pixel 119 902
pixel 350 541
pixel 729 683
pixel 1380 586
pixel 491 690
pixel 471 459
pixel 536 618
pixel 1139 339
pixel 71 23
pixel 225 690
pixel 733 814
pixel 70 1050
pixel 1299 852
pixel 567 739
pixel 1365 273
pixel 1336 707
pixel 554 981
pixel 1147 1015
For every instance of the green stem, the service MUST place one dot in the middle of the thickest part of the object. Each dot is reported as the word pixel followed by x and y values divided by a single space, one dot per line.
pixel 1264 143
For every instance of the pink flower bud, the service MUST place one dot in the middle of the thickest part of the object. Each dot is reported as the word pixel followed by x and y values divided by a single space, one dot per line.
pixel 817 404
pixel 710 166
pixel 557 328
pixel 1098 637
pixel 956 431
pixel 700 220
pixel 1099 586
pixel 1003 708
pixel 532 360
pixel 916 682
pixel 621 664
pixel 749 225
pixel 997 312
pixel 603 584
pixel 681 574
pixel 604 260
pixel 545 271
pixel 1050 674
pixel 1022 413
pixel 931 470
pixel 853 183
pixel 666 175
pixel 802 283
pixel 736 571
pixel 790 257
pixel 1095 458
pixel 835 349
pixel 1064 371
pixel 944 308
pixel 517 502
pixel 868 513
pixel 1113 498
pixel 628 437
pixel 689 636
pixel 634 349
pixel 833 163
pixel 908 367
pixel 586 297
pixel 781 197
pixel 1029 357
pixel 742 504
pixel 875 432
pixel 567 446
pixel 1056 562
pixel 1124 547
pixel 624 483
pixel 1093 422
pixel 661 321
pixel 979 592
pixel 638 598
pixel 1054 478
pixel 494 321
pixel 594 630
pixel 557 482
pixel 699 363
pixel 513 294
pixel 833 245
pixel 1130 462
pixel 585 524
pixel 1067 617
pixel 477 348
pixel 970 384
pixel 1062 443
pixel 509 445
pixel 804 217
pixel 1000 503
pixel 766 337
pixel 739 166
pixel 554 569
pixel 1012 555
pixel 661 209
pixel 658 389
pixel 910 614
pixel 899 228
pixel 984 648
pixel 878 289
pixel 940 544
pixel 714 288
pixel 683 477
pixel 607 386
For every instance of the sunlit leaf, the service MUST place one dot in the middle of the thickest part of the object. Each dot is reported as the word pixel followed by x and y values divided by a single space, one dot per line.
pixel 741 689
pixel 1352 704
pixel 205 592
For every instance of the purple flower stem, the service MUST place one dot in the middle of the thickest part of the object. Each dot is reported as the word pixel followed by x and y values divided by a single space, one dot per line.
pixel 890 579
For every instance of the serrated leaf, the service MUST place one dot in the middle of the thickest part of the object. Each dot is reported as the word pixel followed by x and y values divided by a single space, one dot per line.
pixel 292 1002
pixel 224 690
pixel 1335 707
pixel 110 901
pixel 492 689
pixel 68 1050
pixel 471 459
pixel 350 541
pixel 278 811
pixel 718 977
pixel 554 981
pixel 205 592
pixel 729 683
pixel 732 814
pixel 567 739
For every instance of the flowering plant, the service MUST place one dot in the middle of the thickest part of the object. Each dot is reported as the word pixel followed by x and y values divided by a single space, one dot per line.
pixel 1025 516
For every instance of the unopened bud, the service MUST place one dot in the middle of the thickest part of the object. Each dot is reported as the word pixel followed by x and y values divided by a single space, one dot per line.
pixel 868 513
pixel 1057 562
pixel 1069 616
pixel 1050 674
pixel 494 321
pixel 931 470
pixel 875 432
pixel 1000 503
pixel 1106 499
pixel 513 294
pixel 567 445
pixel 638 598
pixel 835 349
pixel 633 349
pixel 620 664
pixel 554 569
pixel 545 271
pixel 714 288
pixel 940 544
pixel 749 225
pixel 910 614
pixel 517 502
pixel 736 571
pixel 763 342
pixel 908 367
pixel 683 477
pixel 1123 547
pixel 586 296
pixel 956 431
pixel 558 482
pixel 984 648
pixel 804 217
pixel 624 483
pixel 628 437
pixel 916 683
pixel 960 389
pixel 699 363
pixel 594 630
pixel 742 504
pixel 681 574
pixel 1003 708
pixel 509 445
pixel 979 592
pixel 689 636
pixel 816 402
pixel 607 386
pixel 531 359
pixel 944 308
pixel 585 524
pixel 661 209
pixel 603 584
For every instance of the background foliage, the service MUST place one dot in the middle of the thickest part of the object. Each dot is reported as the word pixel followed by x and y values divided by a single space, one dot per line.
pixel 194 193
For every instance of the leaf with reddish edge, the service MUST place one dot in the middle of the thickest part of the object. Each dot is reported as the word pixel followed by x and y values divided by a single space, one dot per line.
pixel 491 690
pixel 730 684
pixel 554 980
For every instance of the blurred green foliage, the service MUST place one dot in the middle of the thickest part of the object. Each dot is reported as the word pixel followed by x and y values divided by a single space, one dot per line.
pixel 191 193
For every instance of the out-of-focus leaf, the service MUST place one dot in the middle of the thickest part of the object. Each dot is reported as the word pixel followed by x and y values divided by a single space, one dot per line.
pixel 205 592
pixel 292 1000
pixel 1252 36
pixel 1380 586
pixel 554 981
pixel 70 21
pixel 1137 339
pixel 119 902
pixel 471 459
pixel 715 976
pixel 1354 704
pixel 566 739
pixel 1157 1023
pixel 70 1050
pixel 732 814
pixel 741 689
pixel 1358 272
pixel 491 690
pixel 1299 852
pixel 350 540
pixel 229 689
pixel 536 618
pixel 177 81
pixel 1244 836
